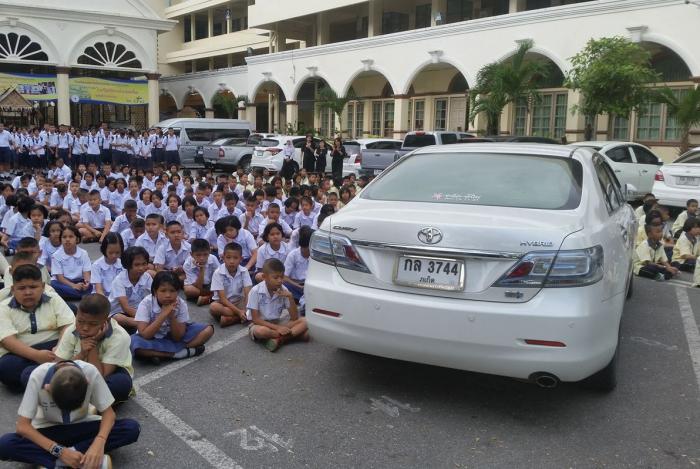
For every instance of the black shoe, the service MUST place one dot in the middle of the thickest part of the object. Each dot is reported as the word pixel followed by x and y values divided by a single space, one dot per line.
pixel 198 351
pixel 155 361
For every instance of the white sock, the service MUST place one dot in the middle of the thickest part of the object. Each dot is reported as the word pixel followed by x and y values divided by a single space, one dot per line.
pixel 184 353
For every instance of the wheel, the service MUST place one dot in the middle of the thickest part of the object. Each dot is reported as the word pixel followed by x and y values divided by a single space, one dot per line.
pixel 244 163
pixel 630 286
pixel 604 380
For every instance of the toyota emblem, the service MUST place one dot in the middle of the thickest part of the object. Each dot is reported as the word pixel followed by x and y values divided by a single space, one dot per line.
pixel 430 235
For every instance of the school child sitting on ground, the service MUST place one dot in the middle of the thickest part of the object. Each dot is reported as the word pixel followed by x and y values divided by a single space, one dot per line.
pixel 95 219
pixel 49 243
pixel 652 218
pixel 130 287
pixel 163 323
pixel 199 268
pixel 273 216
pixel 231 285
pixel 106 268
pixel 173 254
pixel 266 302
pixel 691 211
pixel 297 263
pixel 153 238
pixel 71 266
pixel 55 425
pixel 650 260
pixel 30 248
pixel 19 225
pixel 202 224
pixel 274 248
pixel 230 231
pixel 687 248
pixel 130 235
pixel 24 258
pixel 100 341
pixel 31 322
pixel 123 221
pixel 251 219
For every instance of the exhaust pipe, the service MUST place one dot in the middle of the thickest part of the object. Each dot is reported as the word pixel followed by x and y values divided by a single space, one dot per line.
pixel 544 380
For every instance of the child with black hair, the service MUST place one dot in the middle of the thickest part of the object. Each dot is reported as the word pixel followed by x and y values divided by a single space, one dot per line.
pixel 71 266
pixel 172 254
pixel 274 247
pixel 251 219
pixel 123 221
pixel 173 210
pixel 23 258
pixel 29 246
pixel 230 207
pixel 305 217
pixel 153 238
pixel 50 242
pixel 273 216
pixel 266 302
pixel 31 322
pixel 106 268
pixel 130 235
pixel 202 224
pixel 187 217
pixel 38 215
pixel 691 211
pixel 297 263
pixel 199 268
pixel 231 284
pixel 163 323
pixel 291 206
pixel 650 259
pixel 231 232
pixel 20 225
pixel 100 341
pixel 687 249
pixel 144 203
pixel 95 219
pixel 130 286
pixel 55 425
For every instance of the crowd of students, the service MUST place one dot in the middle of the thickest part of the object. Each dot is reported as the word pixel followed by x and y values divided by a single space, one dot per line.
pixel 664 248
pixel 69 327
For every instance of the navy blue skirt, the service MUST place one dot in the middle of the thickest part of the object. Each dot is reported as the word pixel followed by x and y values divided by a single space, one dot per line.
pixel 167 344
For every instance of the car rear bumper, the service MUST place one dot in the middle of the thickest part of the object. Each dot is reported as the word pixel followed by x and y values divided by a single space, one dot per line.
pixel 674 196
pixel 477 336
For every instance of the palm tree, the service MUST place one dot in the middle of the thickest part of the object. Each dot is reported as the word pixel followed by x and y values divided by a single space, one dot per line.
pixel 329 99
pixel 683 106
pixel 501 83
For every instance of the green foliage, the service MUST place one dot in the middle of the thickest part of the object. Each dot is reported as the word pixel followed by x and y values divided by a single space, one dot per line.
pixel 501 83
pixel 613 75
pixel 329 99
pixel 226 103
pixel 684 106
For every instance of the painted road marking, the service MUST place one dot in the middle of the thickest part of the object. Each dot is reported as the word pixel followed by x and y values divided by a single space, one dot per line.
pixel 191 437
pixel 247 435
pixel 691 330
pixel 654 343
pixel 390 406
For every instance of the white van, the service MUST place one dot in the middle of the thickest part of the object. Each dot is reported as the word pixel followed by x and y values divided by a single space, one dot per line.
pixel 194 133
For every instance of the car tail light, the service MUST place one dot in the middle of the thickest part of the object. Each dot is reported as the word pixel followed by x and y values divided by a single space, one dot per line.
pixel 221 153
pixel 337 250
pixel 358 158
pixel 544 343
pixel 550 269
pixel 659 176
pixel 273 150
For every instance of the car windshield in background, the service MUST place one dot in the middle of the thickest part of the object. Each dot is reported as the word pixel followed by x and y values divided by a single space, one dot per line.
pixel 536 182
pixel 269 143
pixel 418 141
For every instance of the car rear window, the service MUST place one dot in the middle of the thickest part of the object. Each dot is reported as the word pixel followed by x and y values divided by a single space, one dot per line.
pixel 522 181
pixel 418 141
pixel 269 143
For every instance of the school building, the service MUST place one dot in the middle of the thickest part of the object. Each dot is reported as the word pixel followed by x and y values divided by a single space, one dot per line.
pixel 81 62
pixel 410 63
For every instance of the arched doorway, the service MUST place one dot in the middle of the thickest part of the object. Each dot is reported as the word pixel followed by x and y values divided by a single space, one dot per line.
pixel 225 105
pixel 438 99
pixel 167 106
pixel 371 112
pixel 193 106
pixel 270 103
pixel 311 117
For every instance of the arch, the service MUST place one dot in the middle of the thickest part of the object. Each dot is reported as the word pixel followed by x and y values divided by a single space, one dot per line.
pixel 256 88
pixel 421 67
pixel 544 52
pixel 35 35
pixel 194 101
pixel 667 62
pixel 220 108
pixel 167 106
pixel 166 91
pixel 362 71
pixel 674 47
pixel 140 54
pixel 300 83
pixel 109 54
pixel 20 47
pixel 458 84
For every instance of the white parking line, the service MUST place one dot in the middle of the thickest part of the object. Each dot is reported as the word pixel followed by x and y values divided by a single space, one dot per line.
pixel 187 434
pixel 691 330
pixel 191 437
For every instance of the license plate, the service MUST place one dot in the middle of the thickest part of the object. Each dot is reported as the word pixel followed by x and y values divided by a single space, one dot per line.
pixel 258 153
pixel 688 181
pixel 377 172
pixel 430 272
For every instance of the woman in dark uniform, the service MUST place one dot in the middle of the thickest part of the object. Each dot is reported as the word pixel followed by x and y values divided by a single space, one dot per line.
pixel 321 154
pixel 338 154
pixel 309 155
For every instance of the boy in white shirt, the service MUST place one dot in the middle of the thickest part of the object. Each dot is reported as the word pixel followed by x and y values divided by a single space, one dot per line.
pixel 123 221
pixel 173 254
pixel 650 259
pixel 231 284
pixel 95 219
pixel 199 269
pixel 71 202
pixel 297 263
pixel 266 302
pixel 153 238
pixel 130 235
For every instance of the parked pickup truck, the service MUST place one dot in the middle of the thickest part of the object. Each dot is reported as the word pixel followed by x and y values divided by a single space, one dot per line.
pixel 376 154
pixel 414 140
pixel 231 153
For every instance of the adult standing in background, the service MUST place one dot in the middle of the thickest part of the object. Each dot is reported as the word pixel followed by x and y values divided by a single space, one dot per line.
pixel 338 154
pixel 309 154
pixel 171 143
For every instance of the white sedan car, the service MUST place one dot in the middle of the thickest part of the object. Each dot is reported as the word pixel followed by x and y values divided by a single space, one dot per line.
pixel 633 164
pixel 516 262
pixel 679 181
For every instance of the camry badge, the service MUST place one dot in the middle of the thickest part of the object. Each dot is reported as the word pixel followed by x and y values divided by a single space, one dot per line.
pixel 430 235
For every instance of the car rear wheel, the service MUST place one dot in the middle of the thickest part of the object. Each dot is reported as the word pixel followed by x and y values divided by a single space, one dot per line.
pixel 244 163
pixel 604 380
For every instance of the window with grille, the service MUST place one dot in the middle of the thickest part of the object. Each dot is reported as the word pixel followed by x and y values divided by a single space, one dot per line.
pixel 359 119
pixel 419 115
pixel 649 122
pixel 325 116
pixel 546 119
pixel 620 128
pixel 109 54
pixel 376 118
pixel 520 120
pixel 15 46
pixel 388 118
pixel 440 114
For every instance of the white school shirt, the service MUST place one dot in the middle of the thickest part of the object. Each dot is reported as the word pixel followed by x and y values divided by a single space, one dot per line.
pixel 79 144
pixel 149 183
pixel 296 265
pixel 105 273
pixel 192 270
pixel 266 203
pixel 146 147
pixel 170 216
pixel 232 285
pixel 130 144
pixel 105 194
pixel 223 212
pixel 286 229
pixel 8 216
pixel 288 218
pixel 304 220
pixel 317 207
pixel 149 245
pixel 269 307
pixel 266 252
pixel 186 223
pixel 37 146
pixel 203 203
pixel 198 231
pixel 89 188
pixel 212 237
pixel 43 196
pixel 152 209
pixel 149 309
pixel 134 293
pixel 128 238
pixel 65 141
pixel 117 199
pixel 93 145
pixel 47 251
pixel 96 219
pixel 52 139
pixel 5 138
pixel 72 204
pixel 107 141
pixel 19 227
pixel 64 173
pixel 171 143
pixel 254 224
pixel 38 405
pixel 244 238
pixel 169 258
pixel 70 266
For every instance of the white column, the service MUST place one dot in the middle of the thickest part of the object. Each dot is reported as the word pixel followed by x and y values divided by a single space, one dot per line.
pixel 293 113
pixel 429 114
pixel 63 94
pixel 401 103
pixel 210 23
pixel 323 29
pixel 438 6
pixel 153 98
pixel 375 18
pixel 575 122
pixel 208 113
pixel 515 6
pixel 251 114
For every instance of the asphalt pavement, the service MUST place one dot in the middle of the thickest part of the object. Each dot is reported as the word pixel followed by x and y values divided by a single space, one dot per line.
pixel 311 405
